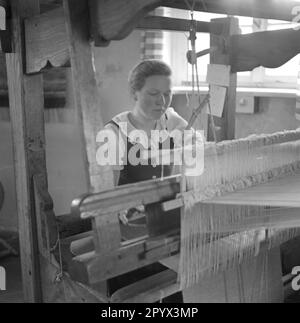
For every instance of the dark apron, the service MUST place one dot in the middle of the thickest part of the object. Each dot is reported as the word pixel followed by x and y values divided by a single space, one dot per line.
pixel 133 174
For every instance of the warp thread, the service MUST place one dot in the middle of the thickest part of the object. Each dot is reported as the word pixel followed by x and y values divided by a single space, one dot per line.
pixel 230 166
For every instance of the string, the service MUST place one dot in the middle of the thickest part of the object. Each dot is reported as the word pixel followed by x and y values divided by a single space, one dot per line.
pixel 206 246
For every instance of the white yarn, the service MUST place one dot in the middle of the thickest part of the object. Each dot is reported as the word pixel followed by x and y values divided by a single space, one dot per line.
pixel 231 166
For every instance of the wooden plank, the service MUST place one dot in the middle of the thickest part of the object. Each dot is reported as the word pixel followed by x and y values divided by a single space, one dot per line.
pixel 226 131
pixel 26 111
pixel 46 41
pixel 87 95
pixel 81 246
pixel 91 267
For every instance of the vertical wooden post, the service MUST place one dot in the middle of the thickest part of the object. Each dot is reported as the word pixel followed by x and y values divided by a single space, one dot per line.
pixel 225 125
pixel 27 119
pixel 87 95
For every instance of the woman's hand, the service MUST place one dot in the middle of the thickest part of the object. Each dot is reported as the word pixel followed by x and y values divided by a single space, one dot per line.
pixel 132 214
pixel 123 217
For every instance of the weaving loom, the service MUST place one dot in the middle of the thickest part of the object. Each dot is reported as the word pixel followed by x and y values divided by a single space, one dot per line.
pixel 239 165
pixel 217 233
pixel 216 229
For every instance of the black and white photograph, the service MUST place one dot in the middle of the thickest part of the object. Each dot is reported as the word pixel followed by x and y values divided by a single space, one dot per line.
pixel 149 154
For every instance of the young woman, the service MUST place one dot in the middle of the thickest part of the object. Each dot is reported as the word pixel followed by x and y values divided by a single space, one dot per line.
pixel 151 88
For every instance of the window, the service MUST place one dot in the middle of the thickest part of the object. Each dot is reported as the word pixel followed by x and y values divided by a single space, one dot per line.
pixel 177 45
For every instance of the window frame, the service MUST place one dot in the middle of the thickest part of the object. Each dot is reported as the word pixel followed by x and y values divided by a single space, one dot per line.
pixel 257 78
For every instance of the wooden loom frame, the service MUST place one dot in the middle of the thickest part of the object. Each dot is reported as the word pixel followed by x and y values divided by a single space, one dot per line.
pixel 69 38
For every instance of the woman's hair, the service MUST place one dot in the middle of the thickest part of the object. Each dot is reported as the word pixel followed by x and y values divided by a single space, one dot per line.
pixel 147 68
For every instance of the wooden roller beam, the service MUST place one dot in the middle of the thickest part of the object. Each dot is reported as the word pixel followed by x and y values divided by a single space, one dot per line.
pixel 92 267
pixel 125 197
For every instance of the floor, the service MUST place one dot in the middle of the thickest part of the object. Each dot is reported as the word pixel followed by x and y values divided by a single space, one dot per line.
pixel 13 293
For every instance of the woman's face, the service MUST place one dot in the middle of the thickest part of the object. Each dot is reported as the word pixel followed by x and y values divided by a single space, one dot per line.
pixel 155 97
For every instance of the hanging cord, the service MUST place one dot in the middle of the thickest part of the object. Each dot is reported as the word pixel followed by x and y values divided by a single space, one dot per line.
pixel 59 276
pixel 192 38
pixel 192 58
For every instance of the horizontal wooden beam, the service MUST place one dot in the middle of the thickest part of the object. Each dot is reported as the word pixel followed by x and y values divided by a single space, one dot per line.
pixel 124 197
pixel 174 24
pixel 92 268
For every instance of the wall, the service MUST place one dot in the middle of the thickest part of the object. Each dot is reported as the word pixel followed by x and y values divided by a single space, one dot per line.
pixel 113 65
pixel 275 114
